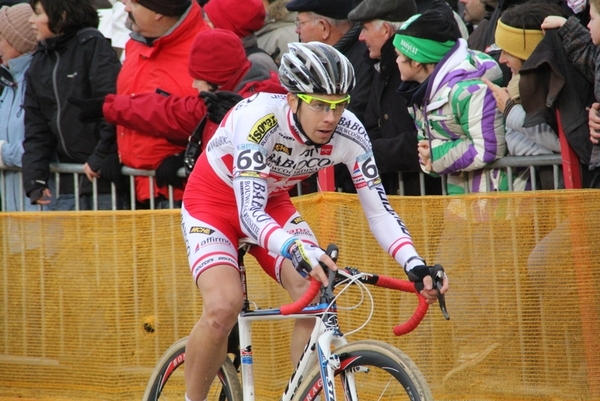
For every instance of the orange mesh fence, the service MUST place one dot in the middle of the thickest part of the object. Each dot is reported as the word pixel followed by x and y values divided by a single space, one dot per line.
pixel 89 301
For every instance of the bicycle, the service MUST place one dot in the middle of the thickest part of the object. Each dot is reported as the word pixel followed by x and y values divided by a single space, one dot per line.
pixel 367 369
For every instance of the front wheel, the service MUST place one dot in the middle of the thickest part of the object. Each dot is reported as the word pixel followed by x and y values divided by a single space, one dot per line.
pixel 379 372
pixel 167 381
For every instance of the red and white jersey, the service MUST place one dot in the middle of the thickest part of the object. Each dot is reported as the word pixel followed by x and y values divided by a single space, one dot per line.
pixel 258 153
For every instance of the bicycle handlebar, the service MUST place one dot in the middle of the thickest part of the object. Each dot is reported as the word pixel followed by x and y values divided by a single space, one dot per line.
pixel 303 301
pixel 406 286
pixel 437 273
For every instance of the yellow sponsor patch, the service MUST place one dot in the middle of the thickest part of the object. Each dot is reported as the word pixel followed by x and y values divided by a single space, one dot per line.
pixel 280 147
pixel 201 230
pixel 262 126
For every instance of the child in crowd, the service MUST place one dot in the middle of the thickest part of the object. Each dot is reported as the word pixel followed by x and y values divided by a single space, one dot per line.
pixel 517 34
pixel 17 43
pixel 459 126
pixel 74 60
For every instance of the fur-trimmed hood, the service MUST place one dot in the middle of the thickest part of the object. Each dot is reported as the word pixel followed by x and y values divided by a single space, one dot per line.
pixel 277 11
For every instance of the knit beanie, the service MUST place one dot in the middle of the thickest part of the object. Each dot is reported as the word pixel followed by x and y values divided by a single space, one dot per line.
pixel 516 41
pixel 216 56
pixel 170 8
pixel 428 37
pixel 14 26
pixel 240 17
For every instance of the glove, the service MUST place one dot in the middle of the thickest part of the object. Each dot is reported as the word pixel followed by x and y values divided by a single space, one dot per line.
pixel 418 273
pixel 110 168
pixel 166 173
pixel 219 103
pixel 91 109
pixel 304 256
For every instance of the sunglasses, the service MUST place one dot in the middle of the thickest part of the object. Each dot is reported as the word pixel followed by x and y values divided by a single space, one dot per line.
pixel 6 78
pixel 323 105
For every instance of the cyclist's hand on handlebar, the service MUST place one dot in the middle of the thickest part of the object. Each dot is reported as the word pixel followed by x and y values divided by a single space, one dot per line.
pixel 429 292
pixel 424 282
pixel 306 258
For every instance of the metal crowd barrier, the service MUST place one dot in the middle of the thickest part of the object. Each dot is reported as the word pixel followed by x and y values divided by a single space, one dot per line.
pixel 508 163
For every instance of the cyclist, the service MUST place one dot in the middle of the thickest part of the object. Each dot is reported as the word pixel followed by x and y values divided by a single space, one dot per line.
pixel 264 146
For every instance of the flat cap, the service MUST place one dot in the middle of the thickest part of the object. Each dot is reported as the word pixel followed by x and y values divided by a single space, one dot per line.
pixel 387 10
pixel 336 9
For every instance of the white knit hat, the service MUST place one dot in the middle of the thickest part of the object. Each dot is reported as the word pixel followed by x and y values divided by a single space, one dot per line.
pixel 15 27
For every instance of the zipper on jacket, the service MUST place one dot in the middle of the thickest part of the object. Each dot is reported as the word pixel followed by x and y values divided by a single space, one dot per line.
pixel 58 110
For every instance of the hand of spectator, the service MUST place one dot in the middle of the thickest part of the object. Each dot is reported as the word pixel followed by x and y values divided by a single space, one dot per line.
pixel 166 173
pixel 219 103
pixel 594 123
pixel 40 196
pixel 91 174
pixel 91 109
pixel 425 154
pixel 500 94
pixel 110 169
pixel 553 22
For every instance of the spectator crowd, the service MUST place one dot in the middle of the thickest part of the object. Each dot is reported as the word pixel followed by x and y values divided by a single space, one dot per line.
pixel 442 88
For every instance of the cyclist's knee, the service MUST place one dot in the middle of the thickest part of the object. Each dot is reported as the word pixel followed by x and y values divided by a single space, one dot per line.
pixel 221 315
pixel 222 297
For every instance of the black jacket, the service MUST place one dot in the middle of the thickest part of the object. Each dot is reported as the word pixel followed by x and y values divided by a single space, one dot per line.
pixel 356 52
pixel 79 65
pixel 550 81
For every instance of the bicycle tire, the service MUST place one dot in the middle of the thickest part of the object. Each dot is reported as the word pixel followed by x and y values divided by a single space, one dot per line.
pixel 381 372
pixel 167 382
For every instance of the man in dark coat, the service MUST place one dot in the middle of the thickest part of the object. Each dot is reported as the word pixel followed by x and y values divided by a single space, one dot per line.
pixel 388 123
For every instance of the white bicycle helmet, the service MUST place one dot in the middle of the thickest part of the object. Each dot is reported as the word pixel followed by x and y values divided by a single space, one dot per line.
pixel 316 67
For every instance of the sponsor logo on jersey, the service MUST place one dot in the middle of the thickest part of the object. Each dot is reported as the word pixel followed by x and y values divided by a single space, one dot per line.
pixel 201 230
pixel 300 231
pixel 262 127
pixel 297 220
pixel 326 150
pixel 250 174
pixel 280 147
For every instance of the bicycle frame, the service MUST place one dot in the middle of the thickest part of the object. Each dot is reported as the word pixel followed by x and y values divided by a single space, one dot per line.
pixel 325 336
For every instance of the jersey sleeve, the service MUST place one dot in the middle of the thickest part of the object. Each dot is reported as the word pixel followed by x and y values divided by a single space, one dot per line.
pixel 250 137
pixel 385 224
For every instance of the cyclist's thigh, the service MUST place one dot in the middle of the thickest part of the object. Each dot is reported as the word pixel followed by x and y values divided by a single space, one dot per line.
pixel 281 209
pixel 208 245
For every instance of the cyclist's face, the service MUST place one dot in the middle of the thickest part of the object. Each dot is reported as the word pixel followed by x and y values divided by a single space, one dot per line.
pixel 319 119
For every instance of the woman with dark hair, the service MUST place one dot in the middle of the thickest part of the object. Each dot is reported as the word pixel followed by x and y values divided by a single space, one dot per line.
pixel 73 60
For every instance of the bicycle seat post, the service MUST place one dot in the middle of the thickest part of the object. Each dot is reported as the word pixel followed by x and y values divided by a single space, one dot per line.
pixel 241 253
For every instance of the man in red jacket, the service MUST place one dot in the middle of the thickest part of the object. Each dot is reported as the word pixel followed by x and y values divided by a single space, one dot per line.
pixel 220 70
pixel 156 60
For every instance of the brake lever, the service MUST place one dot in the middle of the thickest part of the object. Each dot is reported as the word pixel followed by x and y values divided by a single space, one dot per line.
pixel 438 275
pixel 333 252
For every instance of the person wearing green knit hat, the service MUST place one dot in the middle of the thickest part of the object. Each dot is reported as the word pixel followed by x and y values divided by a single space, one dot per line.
pixel 442 81
pixel 420 43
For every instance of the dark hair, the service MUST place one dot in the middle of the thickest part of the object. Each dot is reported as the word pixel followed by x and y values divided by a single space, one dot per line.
pixel 531 14
pixel 67 16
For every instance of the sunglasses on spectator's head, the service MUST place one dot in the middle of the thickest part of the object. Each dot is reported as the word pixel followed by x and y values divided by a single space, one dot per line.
pixel 6 78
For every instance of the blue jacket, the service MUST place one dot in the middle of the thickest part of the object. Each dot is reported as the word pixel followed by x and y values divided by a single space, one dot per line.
pixel 12 132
